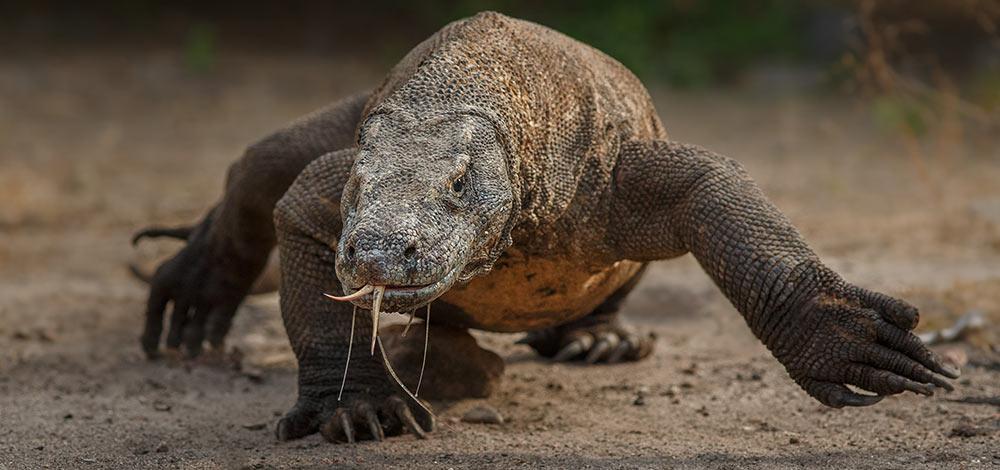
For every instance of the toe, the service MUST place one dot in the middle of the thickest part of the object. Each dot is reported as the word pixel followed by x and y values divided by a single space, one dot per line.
pixel 299 422
pixel 366 418
pixel 580 344
pixel 606 344
pixel 625 346
pixel 339 428
pixel 194 331
pixel 836 395
pixel 402 413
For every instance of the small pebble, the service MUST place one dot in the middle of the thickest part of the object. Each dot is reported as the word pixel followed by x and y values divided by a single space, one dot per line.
pixel 483 414
pixel 955 357
pixel 254 375
pixel 968 430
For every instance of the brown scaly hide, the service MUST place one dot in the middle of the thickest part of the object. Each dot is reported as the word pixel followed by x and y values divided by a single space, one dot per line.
pixel 561 107
pixel 561 111
pixel 571 186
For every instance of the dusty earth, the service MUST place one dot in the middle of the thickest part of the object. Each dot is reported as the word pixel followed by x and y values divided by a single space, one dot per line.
pixel 95 145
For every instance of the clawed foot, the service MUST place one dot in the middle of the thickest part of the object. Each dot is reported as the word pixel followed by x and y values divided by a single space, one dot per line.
pixel 591 340
pixel 205 281
pixel 354 419
pixel 852 336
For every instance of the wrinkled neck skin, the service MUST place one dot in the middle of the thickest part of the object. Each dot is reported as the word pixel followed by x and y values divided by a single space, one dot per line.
pixel 431 201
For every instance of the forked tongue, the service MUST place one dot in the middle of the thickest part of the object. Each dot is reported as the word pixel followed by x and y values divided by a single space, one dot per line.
pixel 376 305
pixel 367 289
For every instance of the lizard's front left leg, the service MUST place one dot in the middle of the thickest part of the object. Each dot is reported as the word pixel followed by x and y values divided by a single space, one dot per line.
pixel 671 198
pixel 327 337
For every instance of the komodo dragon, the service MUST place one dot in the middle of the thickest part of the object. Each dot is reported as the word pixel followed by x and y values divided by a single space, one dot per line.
pixel 522 180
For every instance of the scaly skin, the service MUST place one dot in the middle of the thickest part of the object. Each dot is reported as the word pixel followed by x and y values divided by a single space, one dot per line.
pixel 225 252
pixel 522 180
pixel 825 331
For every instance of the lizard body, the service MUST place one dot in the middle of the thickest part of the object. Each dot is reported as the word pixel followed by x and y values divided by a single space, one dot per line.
pixel 520 180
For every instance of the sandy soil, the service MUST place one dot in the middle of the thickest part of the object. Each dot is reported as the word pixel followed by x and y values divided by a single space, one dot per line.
pixel 95 145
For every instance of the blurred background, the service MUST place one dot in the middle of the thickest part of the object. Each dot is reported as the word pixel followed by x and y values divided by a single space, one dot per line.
pixel 874 124
pixel 925 74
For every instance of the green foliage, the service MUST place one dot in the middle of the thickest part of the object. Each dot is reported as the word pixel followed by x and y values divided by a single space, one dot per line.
pixel 689 43
pixel 898 114
pixel 711 41
pixel 199 48
pixel 985 88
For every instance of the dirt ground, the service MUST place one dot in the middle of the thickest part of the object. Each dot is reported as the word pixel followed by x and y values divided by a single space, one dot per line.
pixel 95 145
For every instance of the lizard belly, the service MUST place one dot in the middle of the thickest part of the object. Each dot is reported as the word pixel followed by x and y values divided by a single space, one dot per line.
pixel 522 293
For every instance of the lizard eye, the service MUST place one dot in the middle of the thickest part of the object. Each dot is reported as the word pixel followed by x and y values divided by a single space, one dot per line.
pixel 458 185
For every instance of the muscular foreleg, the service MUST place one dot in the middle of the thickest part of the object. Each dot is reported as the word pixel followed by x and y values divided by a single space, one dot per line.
pixel 672 198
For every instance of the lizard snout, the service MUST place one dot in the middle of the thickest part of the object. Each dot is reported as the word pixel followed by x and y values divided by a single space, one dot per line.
pixel 382 260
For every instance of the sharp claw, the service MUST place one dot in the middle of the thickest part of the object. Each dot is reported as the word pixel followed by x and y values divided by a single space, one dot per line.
pixel 600 350
pixel 573 349
pixel 926 390
pixel 375 428
pixel 406 416
pixel 910 345
pixel 178 319
pixel 179 233
pixel 623 348
pixel 948 371
pixel 281 431
pixel 836 395
pixel 345 423
pixel 933 362
pixel 941 383
pixel 570 351
pixel 364 415
pixel 596 352
pixel 862 400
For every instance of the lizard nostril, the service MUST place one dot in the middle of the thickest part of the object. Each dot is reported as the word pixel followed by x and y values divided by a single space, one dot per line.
pixel 350 251
pixel 410 251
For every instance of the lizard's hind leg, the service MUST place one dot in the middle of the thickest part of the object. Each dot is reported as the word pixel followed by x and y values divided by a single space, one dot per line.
pixel 457 367
pixel 601 336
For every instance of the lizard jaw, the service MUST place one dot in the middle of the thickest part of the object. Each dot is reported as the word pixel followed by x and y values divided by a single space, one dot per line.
pixel 401 298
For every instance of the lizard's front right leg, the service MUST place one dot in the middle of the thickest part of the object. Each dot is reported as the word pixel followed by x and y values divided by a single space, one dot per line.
pixel 327 337
pixel 207 279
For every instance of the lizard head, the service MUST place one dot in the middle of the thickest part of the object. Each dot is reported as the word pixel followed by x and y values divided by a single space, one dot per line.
pixel 428 204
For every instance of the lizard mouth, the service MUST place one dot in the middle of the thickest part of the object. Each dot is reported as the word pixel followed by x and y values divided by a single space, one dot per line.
pixel 396 298
pixel 400 298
